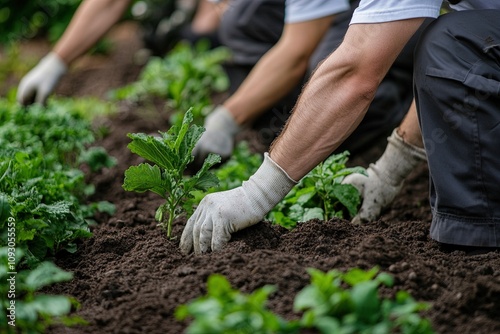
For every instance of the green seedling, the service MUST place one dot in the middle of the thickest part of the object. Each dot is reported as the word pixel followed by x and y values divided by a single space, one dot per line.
pixel 320 194
pixel 23 308
pixel 227 310
pixel 171 154
pixel 337 302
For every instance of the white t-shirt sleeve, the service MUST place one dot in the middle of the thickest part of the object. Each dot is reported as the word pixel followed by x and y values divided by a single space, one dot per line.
pixel 376 11
pixel 306 10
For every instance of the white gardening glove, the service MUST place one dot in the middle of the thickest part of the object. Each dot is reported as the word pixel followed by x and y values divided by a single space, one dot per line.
pixel 221 214
pixel 218 138
pixel 385 177
pixel 41 81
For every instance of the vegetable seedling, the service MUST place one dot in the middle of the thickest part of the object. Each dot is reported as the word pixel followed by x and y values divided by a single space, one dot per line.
pixel 170 154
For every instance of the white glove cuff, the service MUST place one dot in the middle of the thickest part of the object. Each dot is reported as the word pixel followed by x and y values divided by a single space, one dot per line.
pixel 398 160
pixel 54 64
pixel 221 120
pixel 268 186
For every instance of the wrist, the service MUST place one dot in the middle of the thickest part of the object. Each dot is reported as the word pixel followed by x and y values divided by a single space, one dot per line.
pixel 54 64
pixel 398 160
pixel 221 120
pixel 268 186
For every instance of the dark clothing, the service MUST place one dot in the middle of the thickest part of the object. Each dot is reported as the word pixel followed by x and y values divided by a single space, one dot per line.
pixel 457 89
pixel 251 27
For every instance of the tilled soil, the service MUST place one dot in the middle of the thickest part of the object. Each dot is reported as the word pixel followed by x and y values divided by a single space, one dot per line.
pixel 129 278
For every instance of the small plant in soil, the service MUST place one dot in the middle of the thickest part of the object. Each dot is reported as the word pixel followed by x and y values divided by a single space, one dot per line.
pixel 320 194
pixel 349 302
pixel 170 154
pixel 227 310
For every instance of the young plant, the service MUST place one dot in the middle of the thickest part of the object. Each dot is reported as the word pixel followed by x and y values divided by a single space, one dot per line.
pixel 187 77
pixel 23 309
pixel 320 194
pixel 227 310
pixel 331 308
pixel 170 154
pixel 40 182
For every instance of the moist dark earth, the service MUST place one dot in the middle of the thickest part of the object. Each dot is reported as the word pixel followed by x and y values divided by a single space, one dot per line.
pixel 129 277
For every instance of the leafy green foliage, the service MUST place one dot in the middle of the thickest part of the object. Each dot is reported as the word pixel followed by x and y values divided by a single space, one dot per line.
pixel 187 78
pixel 40 184
pixel 334 302
pixel 331 308
pixel 328 306
pixel 170 155
pixel 27 19
pixel 32 312
pixel 227 310
pixel 320 194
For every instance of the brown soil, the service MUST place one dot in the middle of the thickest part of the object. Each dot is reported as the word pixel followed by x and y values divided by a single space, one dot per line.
pixel 129 278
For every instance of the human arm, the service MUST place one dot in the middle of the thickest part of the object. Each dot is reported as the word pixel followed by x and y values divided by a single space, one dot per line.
pixel 278 71
pixel 90 22
pixel 339 93
pixel 329 109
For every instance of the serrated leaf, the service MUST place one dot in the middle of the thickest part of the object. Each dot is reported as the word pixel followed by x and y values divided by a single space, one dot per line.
pixel 153 149
pixel 62 207
pixel 186 121
pixel 206 181
pixel 143 178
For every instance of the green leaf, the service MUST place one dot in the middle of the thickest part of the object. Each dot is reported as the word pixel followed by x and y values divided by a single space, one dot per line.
pixel 366 300
pixel 328 325
pixel 45 274
pixel 4 209
pixel 143 178
pixel 153 149
pixel 204 180
pixel 51 305
pixel 313 213
pixel 357 275
pixel 348 195
pixel 186 121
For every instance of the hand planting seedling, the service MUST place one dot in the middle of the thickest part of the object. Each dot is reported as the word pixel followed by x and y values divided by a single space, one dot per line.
pixel 170 153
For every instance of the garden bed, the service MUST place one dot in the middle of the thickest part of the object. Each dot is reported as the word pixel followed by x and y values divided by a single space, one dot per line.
pixel 130 278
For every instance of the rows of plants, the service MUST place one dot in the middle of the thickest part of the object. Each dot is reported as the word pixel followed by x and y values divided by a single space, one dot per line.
pixel 42 192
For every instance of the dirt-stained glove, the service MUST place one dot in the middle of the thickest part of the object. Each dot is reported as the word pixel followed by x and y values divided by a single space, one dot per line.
pixel 218 138
pixel 385 177
pixel 41 81
pixel 221 214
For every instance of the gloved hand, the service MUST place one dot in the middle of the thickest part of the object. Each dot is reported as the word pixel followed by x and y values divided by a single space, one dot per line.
pixel 221 214
pixel 220 129
pixel 385 177
pixel 41 81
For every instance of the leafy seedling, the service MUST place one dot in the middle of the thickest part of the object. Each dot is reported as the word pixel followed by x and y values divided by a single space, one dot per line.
pixel 227 310
pixel 337 302
pixel 320 194
pixel 171 154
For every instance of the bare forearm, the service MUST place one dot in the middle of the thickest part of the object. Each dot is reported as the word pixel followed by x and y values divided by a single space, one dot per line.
pixel 329 109
pixel 409 129
pixel 91 21
pixel 272 78
pixel 338 95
